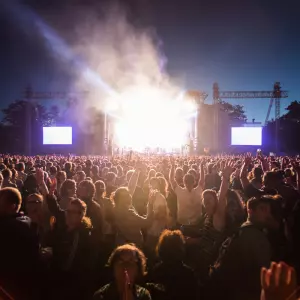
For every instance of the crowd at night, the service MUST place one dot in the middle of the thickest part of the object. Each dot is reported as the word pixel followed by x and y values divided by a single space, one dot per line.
pixel 149 227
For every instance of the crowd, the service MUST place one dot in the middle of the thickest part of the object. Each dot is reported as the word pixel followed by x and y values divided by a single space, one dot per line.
pixel 149 227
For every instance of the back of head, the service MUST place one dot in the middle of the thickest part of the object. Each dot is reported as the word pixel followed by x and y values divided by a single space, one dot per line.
pixel 7 174
pixel 86 190
pixel 275 202
pixel 66 187
pixel 189 180
pixel 171 246
pixel 110 177
pixel 10 201
pixel 271 179
pixel 20 167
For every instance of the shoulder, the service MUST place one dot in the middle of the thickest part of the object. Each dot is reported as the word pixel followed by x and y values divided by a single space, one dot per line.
pixel 250 234
pixel 198 189
pixel 142 293
pixel 178 189
pixel 96 205
pixel 102 292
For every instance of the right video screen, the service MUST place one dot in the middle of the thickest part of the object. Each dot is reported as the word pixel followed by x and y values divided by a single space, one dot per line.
pixel 246 136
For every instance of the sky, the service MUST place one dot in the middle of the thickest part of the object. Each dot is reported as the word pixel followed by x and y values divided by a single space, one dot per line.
pixel 242 45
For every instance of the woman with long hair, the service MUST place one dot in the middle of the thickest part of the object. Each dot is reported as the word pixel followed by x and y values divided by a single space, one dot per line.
pixel 67 192
pixel 178 279
pixel 161 213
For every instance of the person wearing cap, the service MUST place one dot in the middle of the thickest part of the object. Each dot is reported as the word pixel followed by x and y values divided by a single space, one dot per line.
pixel 236 272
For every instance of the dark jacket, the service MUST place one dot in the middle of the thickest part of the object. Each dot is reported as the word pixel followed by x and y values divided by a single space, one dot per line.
pixel 236 273
pixel 110 292
pixel 19 254
pixel 178 280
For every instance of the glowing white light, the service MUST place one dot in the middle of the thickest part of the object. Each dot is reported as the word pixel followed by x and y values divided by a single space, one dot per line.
pixel 150 117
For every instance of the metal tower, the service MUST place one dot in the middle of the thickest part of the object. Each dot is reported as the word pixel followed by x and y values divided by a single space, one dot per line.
pixel 274 96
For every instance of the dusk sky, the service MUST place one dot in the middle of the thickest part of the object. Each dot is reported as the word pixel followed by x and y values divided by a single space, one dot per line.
pixel 242 45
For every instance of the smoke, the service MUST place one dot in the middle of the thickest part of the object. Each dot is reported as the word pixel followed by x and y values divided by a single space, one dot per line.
pixel 115 61
pixel 123 56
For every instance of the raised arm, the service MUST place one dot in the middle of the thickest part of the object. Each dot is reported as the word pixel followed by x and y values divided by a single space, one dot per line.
pixel 221 209
pixel 243 175
pixel 133 182
pixel 264 163
pixel 172 176
pixel 202 176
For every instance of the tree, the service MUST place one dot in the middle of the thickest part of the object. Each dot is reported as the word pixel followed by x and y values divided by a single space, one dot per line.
pixel 15 114
pixel 236 113
pixel 288 129
pixel 14 122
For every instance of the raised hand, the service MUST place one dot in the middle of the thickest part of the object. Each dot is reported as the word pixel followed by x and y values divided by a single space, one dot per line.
pixel 227 170
pixel 279 282
pixel 248 159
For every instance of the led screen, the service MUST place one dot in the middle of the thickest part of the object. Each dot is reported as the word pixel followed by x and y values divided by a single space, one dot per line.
pixel 246 136
pixel 57 135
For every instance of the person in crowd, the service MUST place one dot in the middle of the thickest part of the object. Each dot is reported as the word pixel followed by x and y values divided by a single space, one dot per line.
pixel 107 207
pixel 203 250
pixel 161 214
pixel 7 179
pixel 146 186
pixel 61 177
pixel 88 168
pixel 128 223
pixel 212 178
pixel 120 176
pixel 128 264
pixel 179 175
pixel 19 251
pixel 236 213
pixel 21 171
pixel 67 192
pixel 86 191
pixel 37 211
pixel 189 204
pixel 110 181
pixel 256 177
pixel 80 176
pixel 95 173
pixel 178 279
pixel 69 170
pixel 236 272
pixel 15 180
pixel 74 253
pixel 140 197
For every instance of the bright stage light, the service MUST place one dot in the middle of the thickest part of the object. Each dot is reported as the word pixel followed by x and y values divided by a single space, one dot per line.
pixel 151 117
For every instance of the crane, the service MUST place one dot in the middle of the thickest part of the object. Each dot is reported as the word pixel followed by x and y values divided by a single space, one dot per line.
pixel 30 95
pixel 275 96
